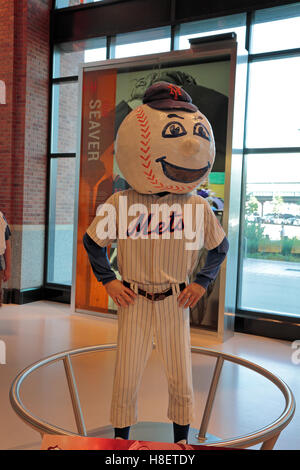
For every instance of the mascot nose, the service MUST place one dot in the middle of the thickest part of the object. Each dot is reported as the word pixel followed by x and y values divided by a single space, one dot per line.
pixel 190 147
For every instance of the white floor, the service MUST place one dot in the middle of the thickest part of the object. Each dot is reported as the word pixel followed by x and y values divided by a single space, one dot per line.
pixel 245 401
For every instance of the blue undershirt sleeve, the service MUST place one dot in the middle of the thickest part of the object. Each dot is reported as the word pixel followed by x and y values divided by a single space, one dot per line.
pixel 212 265
pixel 99 260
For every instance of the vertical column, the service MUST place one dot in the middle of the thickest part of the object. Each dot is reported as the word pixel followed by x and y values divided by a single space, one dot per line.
pixel 35 142
pixel 12 119
pixel 24 58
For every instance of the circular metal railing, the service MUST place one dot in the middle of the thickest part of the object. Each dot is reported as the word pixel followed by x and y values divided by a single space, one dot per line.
pixel 266 435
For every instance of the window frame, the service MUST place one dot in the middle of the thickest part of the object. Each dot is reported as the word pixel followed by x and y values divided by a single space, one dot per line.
pixel 253 321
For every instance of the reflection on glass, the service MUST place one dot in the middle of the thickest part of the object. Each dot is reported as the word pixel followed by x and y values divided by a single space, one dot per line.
pixel 61 214
pixel 274 101
pixel 64 118
pixel 66 62
pixel 270 270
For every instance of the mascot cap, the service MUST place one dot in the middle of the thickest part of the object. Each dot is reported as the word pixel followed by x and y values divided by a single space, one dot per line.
pixel 164 95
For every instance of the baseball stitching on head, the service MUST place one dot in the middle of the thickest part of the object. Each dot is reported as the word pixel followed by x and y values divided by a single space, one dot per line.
pixel 145 153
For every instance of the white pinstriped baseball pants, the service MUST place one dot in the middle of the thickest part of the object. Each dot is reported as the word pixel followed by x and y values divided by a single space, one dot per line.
pixel 138 324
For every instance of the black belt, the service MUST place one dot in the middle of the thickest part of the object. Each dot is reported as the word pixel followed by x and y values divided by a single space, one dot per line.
pixel 156 295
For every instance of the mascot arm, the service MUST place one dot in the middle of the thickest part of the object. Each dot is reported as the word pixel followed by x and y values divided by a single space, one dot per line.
pixel 212 265
pixel 99 260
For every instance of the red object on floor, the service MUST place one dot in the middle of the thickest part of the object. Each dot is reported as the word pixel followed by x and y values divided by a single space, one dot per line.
pixel 57 442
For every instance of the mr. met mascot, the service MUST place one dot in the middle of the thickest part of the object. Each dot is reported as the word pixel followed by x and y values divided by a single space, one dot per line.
pixel 164 149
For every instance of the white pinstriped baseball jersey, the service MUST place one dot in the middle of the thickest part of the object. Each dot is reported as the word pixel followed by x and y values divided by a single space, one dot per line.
pixel 166 257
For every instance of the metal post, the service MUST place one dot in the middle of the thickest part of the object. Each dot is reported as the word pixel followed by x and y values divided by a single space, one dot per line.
pixel 210 399
pixel 74 396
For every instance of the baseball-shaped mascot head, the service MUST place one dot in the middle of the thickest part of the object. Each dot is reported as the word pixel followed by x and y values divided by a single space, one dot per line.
pixel 166 144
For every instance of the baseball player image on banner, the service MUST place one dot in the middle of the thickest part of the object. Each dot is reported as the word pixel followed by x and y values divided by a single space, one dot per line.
pixel 164 148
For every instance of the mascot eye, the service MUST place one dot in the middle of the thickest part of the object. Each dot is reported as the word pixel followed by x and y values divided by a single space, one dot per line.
pixel 173 129
pixel 201 131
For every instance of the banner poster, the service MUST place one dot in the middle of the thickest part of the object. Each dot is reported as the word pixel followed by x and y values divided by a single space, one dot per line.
pixel 108 96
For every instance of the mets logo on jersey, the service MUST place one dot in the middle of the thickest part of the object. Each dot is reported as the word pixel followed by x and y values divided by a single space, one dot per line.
pixel 161 221
pixel 145 224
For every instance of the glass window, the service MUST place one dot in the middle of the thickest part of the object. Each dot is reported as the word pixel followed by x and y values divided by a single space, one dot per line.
pixel 270 269
pixel 144 42
pixel 94 55
pixel 273 118
pixel 213 26
pixel 71 3
pixel 64 118
pixel 61 219
pixel 276 29
pixel 68 56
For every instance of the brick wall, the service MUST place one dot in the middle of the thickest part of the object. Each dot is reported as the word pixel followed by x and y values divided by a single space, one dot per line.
pixel 18 128
pixel 6 110
pixel 37 96
pixel 24 67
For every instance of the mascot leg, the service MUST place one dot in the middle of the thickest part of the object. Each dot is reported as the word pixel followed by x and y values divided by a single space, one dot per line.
pixel 135 344
pixel 172 332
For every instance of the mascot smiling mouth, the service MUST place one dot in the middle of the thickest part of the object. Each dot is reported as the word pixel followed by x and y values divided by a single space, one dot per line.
pixel 180 174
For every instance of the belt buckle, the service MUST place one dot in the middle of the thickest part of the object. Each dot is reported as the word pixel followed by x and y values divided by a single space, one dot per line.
pixel 156 296
pixel 150 296
pixel 160 296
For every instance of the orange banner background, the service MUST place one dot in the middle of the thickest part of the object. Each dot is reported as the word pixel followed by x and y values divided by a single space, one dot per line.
pixel 96 175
